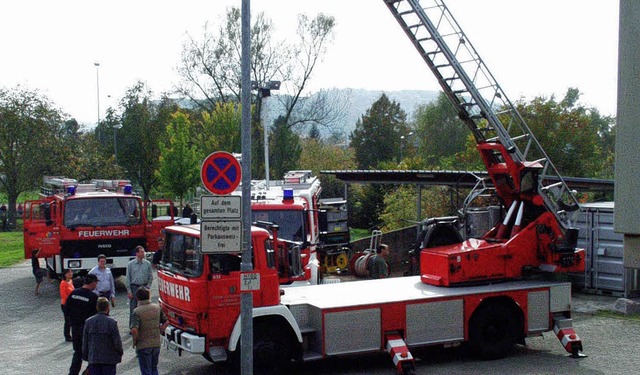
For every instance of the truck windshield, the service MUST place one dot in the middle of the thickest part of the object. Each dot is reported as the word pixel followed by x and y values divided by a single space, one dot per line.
pixel 182 255
pixel 291 223
pixel 100 212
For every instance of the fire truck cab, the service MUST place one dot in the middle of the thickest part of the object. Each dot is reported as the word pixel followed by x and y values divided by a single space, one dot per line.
pixel 72 223
pixel 292 204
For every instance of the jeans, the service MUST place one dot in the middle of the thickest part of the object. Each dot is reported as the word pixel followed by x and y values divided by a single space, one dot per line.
pixel 148 360
pixel 102 369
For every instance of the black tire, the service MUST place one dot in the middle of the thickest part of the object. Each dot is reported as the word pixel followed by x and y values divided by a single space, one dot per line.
pixel 493 330
pixel 271 352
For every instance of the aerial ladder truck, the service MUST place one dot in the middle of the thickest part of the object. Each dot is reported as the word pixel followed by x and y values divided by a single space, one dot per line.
pixel 473 292
pixel 537 232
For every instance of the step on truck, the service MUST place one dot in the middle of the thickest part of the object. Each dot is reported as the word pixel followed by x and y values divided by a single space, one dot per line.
pixel 72 223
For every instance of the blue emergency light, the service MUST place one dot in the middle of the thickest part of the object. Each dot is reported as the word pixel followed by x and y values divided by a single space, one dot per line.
pixel 128 189
pixel 71 190
pixel 288 195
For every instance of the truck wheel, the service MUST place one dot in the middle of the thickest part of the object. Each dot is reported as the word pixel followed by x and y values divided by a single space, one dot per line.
pixel 271 353
pixel 492 331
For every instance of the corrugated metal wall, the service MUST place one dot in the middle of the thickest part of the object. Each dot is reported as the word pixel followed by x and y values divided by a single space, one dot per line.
pixel 604 266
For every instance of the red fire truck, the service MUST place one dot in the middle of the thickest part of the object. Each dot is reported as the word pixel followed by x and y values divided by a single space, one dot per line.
pixel 72 223
pixel 293 204
pixel 200 293
pixel 490 293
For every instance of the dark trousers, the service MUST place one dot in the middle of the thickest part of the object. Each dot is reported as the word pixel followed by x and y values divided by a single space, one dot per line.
pixel 134 301
pixel 67 325
pixel 101 369
pixel 76 361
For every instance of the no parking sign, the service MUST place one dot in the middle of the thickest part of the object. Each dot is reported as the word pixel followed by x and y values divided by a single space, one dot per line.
pixel 220 173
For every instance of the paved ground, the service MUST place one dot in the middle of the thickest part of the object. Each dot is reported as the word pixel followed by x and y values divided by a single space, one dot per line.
pixel 32 342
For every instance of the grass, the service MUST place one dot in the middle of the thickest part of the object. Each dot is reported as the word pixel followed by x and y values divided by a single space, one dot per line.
pixel 618 315
pixel 357 233
pixel 12 250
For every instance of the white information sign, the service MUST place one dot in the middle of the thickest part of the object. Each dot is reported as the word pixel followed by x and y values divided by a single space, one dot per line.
pixel 249 281
pixel 221 236
pixel 220 207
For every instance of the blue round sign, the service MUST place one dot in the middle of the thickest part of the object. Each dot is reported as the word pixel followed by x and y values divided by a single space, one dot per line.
pixel 220 173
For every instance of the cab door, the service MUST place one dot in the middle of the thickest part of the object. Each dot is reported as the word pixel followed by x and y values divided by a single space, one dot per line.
pixel 158 214
pixel 41 228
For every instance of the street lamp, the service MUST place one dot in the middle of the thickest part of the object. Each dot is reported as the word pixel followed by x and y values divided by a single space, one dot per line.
pixel 402 143
pixel 97 65
pixel 115 142
pixel 264 91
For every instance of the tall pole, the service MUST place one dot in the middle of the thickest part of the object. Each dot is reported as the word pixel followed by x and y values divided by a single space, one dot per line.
pixel 246 298
pixel 97 64
pixel 263 115
pixel 115 145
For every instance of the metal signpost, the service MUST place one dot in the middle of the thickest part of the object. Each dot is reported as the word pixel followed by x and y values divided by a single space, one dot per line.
pixel 246 298
pixel 223 228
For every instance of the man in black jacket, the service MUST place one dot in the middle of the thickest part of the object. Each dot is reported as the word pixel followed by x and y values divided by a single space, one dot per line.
pixel 101 344
pixel 80 305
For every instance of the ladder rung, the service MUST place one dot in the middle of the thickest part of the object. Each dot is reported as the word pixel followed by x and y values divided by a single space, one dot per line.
pixel 552 185
pixel 519 137
pixel 406 12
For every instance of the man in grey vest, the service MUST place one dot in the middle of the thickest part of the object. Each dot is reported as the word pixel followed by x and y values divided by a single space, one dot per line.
pixel 147 324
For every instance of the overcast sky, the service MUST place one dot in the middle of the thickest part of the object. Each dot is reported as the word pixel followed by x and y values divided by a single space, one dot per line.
pixel 532 47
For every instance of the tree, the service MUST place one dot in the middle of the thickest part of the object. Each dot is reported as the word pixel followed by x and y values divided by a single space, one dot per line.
pixel 439 132
pixel 31 129
pixel 318 155
pixel 219 130
pixel 576 138
pixel 400 206
pixel 88 161
pixel 210 70
pixel 143 127
pixel 106 132
pixel 376 137
pixel 284 148
pixel 179 167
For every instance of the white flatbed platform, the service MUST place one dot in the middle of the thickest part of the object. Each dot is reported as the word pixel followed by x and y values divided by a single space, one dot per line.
pixel 391 290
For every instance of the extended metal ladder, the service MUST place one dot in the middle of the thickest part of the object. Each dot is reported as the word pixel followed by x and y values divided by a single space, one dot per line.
pixel 481 103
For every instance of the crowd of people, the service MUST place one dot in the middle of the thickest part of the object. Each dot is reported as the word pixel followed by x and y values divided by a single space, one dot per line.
pixel 94 333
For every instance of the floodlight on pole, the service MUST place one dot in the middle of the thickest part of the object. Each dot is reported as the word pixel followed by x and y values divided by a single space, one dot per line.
pixel 264 91
pixel 115 142
pixel 97 65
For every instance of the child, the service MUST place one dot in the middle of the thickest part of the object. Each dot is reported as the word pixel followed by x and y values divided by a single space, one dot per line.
pixel 38 272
